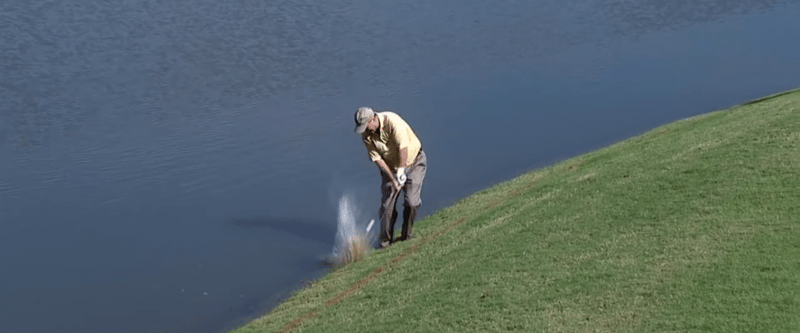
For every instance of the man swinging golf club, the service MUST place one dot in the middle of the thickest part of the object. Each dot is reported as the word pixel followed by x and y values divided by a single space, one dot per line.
pixel 394 147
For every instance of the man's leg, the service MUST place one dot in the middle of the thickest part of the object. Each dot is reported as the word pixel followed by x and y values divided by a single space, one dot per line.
pixel 409 215
pixel 413 194
pixel 388 212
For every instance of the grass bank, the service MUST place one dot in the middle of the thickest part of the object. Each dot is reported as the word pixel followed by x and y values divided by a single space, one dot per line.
pixel 692 226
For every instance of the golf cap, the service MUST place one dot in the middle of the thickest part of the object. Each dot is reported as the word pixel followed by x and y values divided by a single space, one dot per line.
pixel 363 115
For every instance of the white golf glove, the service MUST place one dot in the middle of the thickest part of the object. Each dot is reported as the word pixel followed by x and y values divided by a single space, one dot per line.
pixel 401 176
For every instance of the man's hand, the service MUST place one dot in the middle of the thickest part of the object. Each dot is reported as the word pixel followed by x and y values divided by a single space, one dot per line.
pixel 401 176
pixel 388 172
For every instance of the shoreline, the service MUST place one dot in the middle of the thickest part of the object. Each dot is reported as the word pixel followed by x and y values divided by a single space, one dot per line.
pixel 390 259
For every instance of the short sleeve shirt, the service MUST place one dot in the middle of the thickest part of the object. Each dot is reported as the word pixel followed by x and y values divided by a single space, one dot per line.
pixel 393 134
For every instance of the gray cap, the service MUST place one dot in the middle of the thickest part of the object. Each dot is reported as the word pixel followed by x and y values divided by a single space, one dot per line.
pixel 363 115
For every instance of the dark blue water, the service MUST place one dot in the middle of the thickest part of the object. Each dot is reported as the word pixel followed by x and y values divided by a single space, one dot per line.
pixel 177 166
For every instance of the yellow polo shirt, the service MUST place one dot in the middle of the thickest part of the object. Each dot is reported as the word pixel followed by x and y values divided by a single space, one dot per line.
pixel 393 135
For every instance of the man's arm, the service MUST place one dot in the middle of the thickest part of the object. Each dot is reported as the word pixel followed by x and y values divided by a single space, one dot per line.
pixel 385 168
pixel 403 157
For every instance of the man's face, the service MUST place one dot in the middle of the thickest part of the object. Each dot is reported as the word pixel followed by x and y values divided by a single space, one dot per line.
pixel 373 124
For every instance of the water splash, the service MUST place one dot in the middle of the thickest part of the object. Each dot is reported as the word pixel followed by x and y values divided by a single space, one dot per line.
pixel 352 238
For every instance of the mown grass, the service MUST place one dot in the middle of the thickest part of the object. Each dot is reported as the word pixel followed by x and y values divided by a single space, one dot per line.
pixel 693 226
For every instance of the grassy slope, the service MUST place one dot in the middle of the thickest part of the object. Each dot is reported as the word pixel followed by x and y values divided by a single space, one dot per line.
pixel 693 226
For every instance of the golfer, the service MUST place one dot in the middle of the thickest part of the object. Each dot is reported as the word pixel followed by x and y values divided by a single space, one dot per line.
pixel 394 147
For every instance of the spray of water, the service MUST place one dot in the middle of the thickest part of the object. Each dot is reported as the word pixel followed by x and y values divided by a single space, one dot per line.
pixel 352 239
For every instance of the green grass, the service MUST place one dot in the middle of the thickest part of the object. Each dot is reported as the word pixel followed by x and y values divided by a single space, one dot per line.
pixel 691 227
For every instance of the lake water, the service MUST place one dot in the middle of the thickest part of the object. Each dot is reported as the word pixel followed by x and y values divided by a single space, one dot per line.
pixel 173 166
